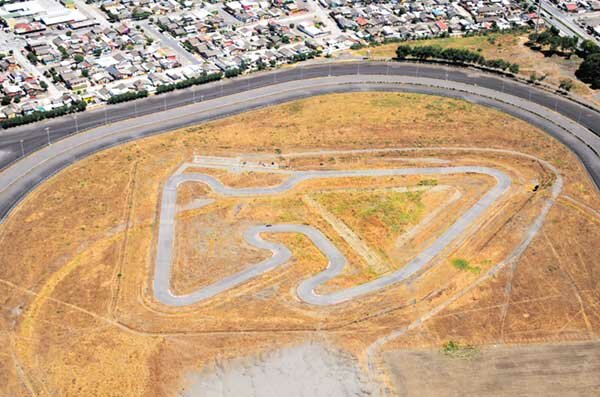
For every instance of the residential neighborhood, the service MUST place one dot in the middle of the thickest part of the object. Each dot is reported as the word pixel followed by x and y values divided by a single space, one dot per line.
pixel 53 53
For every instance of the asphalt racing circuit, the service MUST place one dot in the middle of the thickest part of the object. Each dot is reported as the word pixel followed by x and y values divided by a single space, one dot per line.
pixel 31 154
pixel 574 125
pixel 281 255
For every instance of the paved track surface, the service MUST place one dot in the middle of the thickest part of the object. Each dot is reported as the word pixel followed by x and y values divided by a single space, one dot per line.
pixel 281 254
pixel 34 136
pixel 23 175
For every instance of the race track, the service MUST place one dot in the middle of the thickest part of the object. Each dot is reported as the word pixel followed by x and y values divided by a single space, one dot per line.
pixel 281 254
pixel 22 176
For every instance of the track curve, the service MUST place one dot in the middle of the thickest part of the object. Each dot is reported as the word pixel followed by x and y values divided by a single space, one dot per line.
pixel 24 175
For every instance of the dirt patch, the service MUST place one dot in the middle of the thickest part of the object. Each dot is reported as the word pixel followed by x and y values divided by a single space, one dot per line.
pixel 307 369
pixel 549 370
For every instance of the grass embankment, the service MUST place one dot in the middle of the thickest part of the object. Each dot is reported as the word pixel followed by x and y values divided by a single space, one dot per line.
pixel 508 46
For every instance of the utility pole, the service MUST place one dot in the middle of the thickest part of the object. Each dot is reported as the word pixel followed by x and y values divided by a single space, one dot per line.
pixel 537 20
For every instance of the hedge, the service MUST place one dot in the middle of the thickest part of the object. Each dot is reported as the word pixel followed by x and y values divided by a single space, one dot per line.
pixel 78 106
pixel 203 79
pixel 127 96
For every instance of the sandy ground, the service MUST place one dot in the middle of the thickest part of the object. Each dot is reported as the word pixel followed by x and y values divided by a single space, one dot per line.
pixel 310 369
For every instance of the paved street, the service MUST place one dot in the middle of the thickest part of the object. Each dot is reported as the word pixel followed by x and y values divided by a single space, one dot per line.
pixel 564 21
pixel 168 41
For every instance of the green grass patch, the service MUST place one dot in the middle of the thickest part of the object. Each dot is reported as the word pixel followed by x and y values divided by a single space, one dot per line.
pixel 457 350
pixel 428 182
pixel 393 209
pixel 463 264
pixel 294 107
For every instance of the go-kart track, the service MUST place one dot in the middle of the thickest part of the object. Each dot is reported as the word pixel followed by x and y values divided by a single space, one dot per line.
pixel 336 260
pixel 281 254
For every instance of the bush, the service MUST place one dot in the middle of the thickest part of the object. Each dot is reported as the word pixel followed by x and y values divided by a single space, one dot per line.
pixel 566 85
pixel 457 350
pixel 37 116
pixel 127 96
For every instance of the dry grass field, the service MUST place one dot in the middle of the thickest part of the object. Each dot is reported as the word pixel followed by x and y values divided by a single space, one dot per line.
pixel 78 316
pixel 510 47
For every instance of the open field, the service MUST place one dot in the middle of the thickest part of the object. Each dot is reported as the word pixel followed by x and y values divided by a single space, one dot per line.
pixel 549 370
pixel 79 316
pixel 510 47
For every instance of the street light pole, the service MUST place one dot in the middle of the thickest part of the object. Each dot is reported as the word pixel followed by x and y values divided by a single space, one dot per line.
pixel 22 149
pixel 47 129
pixel 537 20
pixel 76 124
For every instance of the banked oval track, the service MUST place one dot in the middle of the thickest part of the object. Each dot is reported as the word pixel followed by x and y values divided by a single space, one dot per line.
pixel 22 176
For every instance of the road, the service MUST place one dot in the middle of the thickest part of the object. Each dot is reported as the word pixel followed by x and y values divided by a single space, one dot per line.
pixel 240 95
pixel 92 13
pixel 168 41
pixel 563 21
pixel 281 254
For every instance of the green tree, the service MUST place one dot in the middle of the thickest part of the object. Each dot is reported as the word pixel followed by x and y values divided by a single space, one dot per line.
pixel 588 47
pixel 589 70
pixel 403 51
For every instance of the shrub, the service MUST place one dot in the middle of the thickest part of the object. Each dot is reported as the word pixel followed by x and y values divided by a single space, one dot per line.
pixel 127 96
pixel 37 116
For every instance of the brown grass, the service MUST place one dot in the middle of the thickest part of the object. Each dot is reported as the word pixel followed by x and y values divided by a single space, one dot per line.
pixel 77 254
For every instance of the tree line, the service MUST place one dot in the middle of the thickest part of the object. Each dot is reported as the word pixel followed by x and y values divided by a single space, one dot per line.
pixel 550 42
pixel 127 96
pixel 78 106
pixel 454 55
pixel 202 79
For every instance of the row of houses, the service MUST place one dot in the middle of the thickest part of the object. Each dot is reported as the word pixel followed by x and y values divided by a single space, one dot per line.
pixel 418 19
